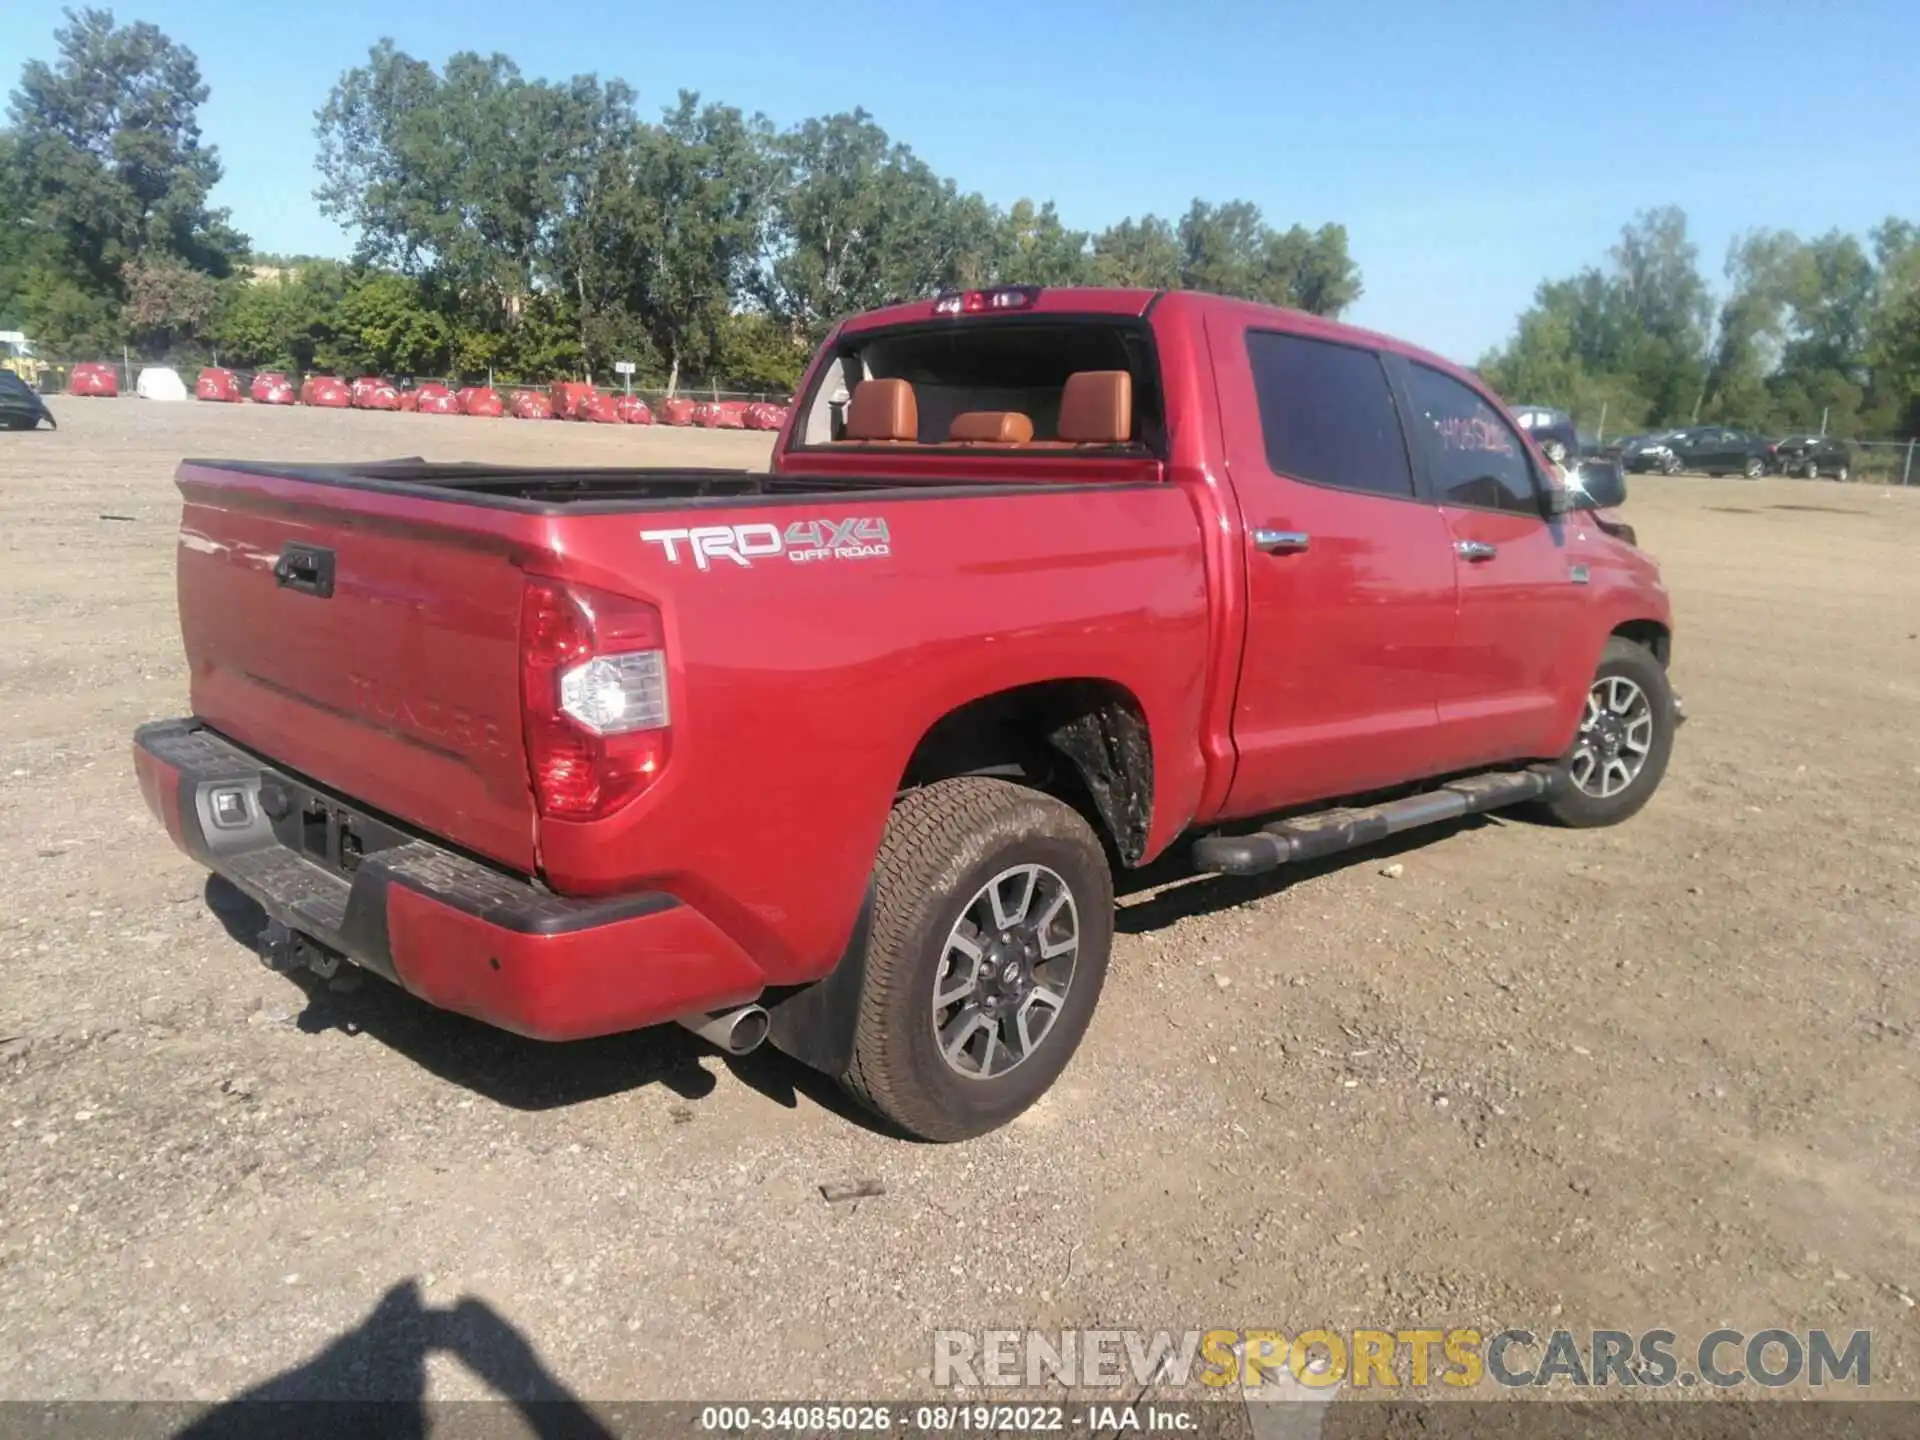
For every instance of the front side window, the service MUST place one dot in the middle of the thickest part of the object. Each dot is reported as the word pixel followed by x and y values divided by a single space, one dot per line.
pixel 1475 457
pixel 1327 414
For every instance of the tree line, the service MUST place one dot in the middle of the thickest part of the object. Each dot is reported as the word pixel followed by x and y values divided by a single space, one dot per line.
pixel 535 228
pixel 1805 331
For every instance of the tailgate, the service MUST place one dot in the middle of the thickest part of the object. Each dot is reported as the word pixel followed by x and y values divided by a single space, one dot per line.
pixel 362 645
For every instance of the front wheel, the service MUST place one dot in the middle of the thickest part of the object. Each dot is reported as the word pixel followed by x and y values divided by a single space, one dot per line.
pixel 1624 742
pixel 992 923
pixel 1843 474
pixel 1669 464
pixel 1811 470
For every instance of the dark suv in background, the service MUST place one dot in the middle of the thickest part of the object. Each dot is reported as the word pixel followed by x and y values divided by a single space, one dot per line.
pixel 1552 431
pixel 1716 450
pixel 1813 456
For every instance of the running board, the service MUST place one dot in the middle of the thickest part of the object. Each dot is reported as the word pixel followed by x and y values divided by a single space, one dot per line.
pixel 1327 832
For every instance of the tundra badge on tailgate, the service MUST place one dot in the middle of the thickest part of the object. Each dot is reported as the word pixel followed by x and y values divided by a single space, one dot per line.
pixel 803 542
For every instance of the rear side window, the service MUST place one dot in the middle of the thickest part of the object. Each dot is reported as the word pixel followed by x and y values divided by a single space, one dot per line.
pixel 1327 414
pixel 1475 457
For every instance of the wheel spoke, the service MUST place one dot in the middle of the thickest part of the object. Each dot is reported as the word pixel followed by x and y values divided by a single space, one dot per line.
pixel 959 985
pixel 1027 879
pixel 1582 767
pixel 1639 737
pixel 1615 767
pixel 959 1030
pixel 993 1048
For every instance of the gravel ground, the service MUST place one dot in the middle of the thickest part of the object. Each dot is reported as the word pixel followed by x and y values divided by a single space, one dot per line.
pixel 1662 1075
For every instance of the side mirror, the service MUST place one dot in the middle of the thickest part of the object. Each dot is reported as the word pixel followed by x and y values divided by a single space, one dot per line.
pixel 1597 485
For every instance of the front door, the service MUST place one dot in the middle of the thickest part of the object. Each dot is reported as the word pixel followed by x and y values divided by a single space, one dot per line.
pixel 1350 578
pixel 1505 691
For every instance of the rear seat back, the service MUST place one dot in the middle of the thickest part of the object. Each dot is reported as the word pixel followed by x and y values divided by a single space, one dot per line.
pixel 1096 408
pixel 990 427
pixel 882 412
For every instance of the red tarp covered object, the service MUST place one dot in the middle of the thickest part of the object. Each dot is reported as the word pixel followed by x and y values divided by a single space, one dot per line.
pixel 436 400
pixel 93 378
pixel 677 411
pixel 633 410
pixel 370 392
pixel 327 391
pixel 270 387
pixel 409 400
pixel 764 416
pixel 531 405
pixel 600 409
pixel 218 385
pixel 483 401
pixel 569 396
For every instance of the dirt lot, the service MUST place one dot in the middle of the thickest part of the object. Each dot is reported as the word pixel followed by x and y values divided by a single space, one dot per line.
pixel 1656 1076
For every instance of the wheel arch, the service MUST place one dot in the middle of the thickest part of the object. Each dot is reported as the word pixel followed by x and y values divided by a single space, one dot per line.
pixel 1085 740
pixel 1652 634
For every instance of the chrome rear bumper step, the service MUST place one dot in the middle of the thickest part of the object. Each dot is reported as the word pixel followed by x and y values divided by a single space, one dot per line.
pixel 1327 832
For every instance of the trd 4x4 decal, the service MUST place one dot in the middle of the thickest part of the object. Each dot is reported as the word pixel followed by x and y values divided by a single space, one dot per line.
pixel 802 542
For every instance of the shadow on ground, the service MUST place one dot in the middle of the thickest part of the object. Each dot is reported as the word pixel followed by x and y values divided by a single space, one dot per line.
pixel 517 1072
pixel 372 1380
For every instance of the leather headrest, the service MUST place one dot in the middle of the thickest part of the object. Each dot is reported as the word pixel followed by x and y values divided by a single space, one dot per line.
pixel 990 427
pixel 883 410
pixel 1096 408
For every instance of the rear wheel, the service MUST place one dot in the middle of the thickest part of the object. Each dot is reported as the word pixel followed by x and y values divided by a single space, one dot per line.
pixel 1843 474
pixel 1754 467
pixel 1811 470
pixel 1669 464
pixel 992 923
pixel 1624 742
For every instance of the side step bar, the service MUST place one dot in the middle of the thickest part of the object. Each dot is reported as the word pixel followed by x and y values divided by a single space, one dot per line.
pixel 1327 832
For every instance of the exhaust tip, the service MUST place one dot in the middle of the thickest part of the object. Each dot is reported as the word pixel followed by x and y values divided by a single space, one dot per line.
pixel 735 1031
pixel 749 1028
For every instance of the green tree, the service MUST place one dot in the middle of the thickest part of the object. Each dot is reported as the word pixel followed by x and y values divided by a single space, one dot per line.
pixel 1036 249
pixel 1138 254
pixel 108 168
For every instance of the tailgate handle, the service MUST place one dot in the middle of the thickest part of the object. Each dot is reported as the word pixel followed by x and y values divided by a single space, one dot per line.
pixel 306 568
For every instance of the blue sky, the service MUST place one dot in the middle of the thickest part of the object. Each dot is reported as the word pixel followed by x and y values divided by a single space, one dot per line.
pixel 1470 149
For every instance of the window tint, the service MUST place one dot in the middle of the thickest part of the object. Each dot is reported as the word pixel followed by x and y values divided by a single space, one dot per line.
pixel 1327 414
pixel 1476 459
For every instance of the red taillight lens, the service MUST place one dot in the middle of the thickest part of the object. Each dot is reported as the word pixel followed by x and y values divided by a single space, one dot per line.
pixel 593 698
pixel 980 302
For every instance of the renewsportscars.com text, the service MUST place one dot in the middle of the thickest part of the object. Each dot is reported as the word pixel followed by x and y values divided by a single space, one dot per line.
pixel 1410 1358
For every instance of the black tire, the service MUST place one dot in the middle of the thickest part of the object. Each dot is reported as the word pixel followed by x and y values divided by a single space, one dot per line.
pixel 1670 465
pixel 1754 468
pixel 942 845
pixel 1843 474
pixel 1811 470
pixel 1575 807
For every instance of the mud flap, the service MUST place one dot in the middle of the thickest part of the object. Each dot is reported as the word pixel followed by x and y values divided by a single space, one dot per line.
pixel 815 1023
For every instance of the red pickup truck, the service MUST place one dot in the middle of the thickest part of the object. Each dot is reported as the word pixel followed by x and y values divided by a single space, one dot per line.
pixel 1040 583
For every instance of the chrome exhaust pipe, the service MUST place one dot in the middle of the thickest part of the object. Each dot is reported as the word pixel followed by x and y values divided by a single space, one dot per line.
pixel 735 1031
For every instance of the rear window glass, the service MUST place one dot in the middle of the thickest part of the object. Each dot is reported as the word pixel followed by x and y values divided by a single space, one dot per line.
pixel 1327 414
pixel 1018 366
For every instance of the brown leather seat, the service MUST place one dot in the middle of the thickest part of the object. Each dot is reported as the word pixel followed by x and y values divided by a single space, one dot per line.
pixel 1096 408
pixel 882 412
pixel 990 427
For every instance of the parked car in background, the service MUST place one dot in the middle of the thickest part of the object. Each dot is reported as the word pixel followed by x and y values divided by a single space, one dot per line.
pixel 1637 454
pixel 20 407
pixel 1813 456
pixel 1552 431
pixel 1717 450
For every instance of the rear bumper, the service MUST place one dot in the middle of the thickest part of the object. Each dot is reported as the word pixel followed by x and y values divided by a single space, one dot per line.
pixel 455 932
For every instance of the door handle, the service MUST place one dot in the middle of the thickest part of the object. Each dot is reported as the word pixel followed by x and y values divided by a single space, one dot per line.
pixel 1282 542
pixel 1475 550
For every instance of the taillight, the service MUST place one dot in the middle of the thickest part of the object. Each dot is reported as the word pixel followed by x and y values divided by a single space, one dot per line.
pixel 593 677
pixel 983 302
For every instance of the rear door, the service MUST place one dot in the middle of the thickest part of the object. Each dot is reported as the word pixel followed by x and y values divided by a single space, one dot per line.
pixel 1350 585
pixel 1503 686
